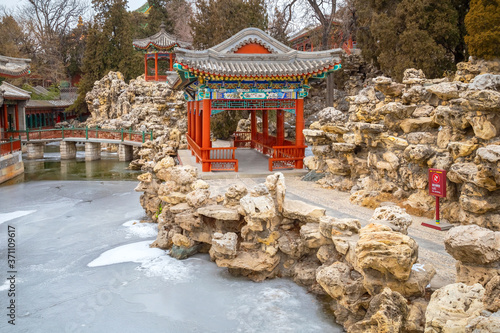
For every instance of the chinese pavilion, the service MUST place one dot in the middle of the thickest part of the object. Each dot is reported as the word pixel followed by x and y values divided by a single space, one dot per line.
pixel 255 72
pixel 159 54
pixel 12 99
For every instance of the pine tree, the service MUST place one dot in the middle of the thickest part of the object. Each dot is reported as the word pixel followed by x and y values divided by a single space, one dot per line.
pixel 483 28
pixel 109 47
pixel 399 34
pixel 217 20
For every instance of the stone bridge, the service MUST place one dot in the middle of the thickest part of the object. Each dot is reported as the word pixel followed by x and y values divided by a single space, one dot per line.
pixel 126 140
pixel 35 148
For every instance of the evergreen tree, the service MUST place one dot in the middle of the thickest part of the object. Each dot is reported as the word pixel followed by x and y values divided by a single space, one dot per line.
pixel 483 28
pixel 109 47
pixel 398 34
pixel 216 20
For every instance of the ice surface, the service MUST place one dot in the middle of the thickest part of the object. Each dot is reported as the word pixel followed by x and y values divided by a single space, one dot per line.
pixel 4 217
pixel 130 287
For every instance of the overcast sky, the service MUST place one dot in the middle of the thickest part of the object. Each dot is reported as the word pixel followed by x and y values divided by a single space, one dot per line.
pixel 11 4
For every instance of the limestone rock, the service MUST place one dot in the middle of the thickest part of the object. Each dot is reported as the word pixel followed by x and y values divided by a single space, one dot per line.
pixel 481 100
pixel 344 285
pixel 298 210
pixel 398 218
pixel 219 213
pixel 391 254
pixel 417 124
pixel 233 195
pixel 164 163
pixel 491 297
pixel 224 246
pixel 413 76
pixel 485 81
pixel 452 306
pixel 489 153
pixel 197 198
pixel 474 273
pixel 338 227
pixel 473 244
pixel 446 90
pixel 312 237
pixel 387 312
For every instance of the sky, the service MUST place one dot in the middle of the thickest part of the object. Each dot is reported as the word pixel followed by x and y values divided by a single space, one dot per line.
pixel 12 4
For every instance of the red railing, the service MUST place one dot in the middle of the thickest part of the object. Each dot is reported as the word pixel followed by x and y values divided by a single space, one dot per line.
pixel 161 78
pixel 286 157
pixel 242 139
pixel 8 147
pixel 220 159
pixel 86 133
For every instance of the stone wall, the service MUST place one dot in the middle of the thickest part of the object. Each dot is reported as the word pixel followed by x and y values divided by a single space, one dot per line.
pixel 381 149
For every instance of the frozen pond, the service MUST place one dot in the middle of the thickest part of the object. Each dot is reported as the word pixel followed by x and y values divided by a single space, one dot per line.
pixel 84 265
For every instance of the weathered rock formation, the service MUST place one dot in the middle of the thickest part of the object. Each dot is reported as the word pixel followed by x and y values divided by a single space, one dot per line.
pixel 371 273
pixel 382 148
pixel 140 106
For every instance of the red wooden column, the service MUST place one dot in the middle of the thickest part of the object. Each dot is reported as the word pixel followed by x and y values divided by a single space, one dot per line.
pixel 253 128
pixel 146 67
pixel 206 135
pixel 189 118
pixel 171 64
pixel 5 119
pixel 17 117
pixel 198 124
pixel 156 66
pixel 299 127
pixel 280 127
pixel 265 126
pixel 193 123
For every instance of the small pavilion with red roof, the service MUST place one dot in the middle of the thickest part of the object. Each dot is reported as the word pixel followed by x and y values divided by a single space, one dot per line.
pixel 159 56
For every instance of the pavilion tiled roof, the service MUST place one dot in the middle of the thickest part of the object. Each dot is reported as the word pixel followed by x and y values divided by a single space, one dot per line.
pixel 14 67
pixel 161 40
pixel 283 61
pixel 9 91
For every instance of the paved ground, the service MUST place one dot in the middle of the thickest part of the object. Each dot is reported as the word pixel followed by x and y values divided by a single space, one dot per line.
pixel 253 170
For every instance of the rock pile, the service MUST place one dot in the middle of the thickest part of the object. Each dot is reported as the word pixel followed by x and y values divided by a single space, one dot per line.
pixel 472 304
pixel 141 106
pixel 371 273
pixel 381 149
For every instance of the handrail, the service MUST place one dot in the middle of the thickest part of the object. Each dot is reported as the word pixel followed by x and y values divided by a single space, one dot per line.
pixel 8 147
pixel 53 133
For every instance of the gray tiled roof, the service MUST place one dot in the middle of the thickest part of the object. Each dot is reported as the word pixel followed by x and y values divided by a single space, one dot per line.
pixel 221 59
pixel 49 103
pixel 161 39
pixel 13 67
pixel 12 92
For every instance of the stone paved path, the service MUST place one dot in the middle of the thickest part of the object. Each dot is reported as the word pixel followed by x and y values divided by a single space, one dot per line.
pixel 431 246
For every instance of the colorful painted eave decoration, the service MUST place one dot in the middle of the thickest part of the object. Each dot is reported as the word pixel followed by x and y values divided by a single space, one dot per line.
pixel 208 75
pixel 15 76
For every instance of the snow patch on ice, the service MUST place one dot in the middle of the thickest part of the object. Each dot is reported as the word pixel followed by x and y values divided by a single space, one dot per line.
pixel 142 230
pixel 136 252
pixel 168 268
pixel 154 262
pixel 4 217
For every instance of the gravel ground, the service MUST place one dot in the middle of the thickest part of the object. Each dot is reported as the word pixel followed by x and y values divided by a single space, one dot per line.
pixel 431 246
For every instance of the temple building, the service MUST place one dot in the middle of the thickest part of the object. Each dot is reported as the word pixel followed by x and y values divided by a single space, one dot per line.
pixel 250 71
pixel 159 56
pixel 12 99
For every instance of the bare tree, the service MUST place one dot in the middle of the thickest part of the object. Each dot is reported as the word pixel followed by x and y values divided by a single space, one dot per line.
pixel 47 23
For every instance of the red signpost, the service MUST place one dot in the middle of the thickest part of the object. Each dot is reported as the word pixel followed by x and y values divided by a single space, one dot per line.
pixel 437 188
